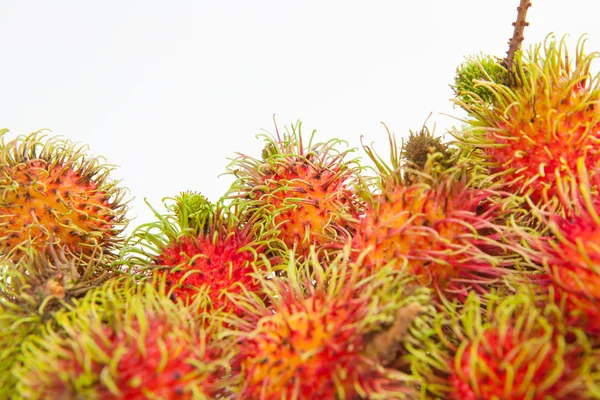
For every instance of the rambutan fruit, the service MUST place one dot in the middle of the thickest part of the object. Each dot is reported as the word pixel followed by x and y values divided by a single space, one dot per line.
pixel 520 351
pixel 420 145
pixel 198 246
pixel 327 332
pixel 125 340
pixel 568 253
pixel 51 192
pixel 309 190
pixel 471 72
pixel 512 347
pixel 32 290
pixel 436 226
pixel 538 125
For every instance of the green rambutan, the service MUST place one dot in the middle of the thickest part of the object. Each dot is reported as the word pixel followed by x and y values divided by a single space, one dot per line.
pixel 436 226
pixel 474 70
pixel 327 331
pixel 126 340
pixel 51 192
pixel 32 290
pixel 536 128
pixel 198 246
pixel 308 190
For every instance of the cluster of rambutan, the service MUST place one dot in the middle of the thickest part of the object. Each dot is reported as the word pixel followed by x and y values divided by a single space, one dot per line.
pixel 464 270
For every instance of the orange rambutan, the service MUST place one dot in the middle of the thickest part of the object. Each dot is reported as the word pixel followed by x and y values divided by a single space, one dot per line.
pixel 322 333
pixel 308 190
pixel 51 192
pixel 126 340
pixel 536 127
pixel 203 247
pixel 436 225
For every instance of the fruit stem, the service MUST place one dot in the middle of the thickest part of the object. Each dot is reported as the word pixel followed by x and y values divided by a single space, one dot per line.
pixel 515 42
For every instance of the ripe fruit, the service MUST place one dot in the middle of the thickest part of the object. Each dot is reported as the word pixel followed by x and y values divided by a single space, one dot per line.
pixel 52 192
pixel 322 333
pixel 434 226
pixel 521 350
pixel 537 127
pixel 503 346
pixel 568 254
pixel 200 247
pixel 308 190
pixel 125 341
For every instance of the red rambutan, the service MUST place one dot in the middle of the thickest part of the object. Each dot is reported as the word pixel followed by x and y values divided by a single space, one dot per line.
pixel 200 246
pixel 568 253
pixel 125 341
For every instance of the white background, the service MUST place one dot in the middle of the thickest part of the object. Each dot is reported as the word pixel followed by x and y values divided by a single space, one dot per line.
pixel 169 90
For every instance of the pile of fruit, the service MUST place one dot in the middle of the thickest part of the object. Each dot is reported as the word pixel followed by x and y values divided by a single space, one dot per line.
pixel 467 269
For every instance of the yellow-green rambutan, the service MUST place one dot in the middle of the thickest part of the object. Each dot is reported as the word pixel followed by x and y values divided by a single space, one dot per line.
pixel 307 187
pixel 126 340
pixel 327 331
pixel 51 192
pixel 536 128
pixel 32 290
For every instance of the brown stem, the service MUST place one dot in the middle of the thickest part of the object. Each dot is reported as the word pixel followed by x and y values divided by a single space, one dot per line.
pixel 515 42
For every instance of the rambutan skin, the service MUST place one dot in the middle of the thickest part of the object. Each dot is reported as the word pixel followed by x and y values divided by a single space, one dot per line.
pixel 520 350
pixel 314 340
pixel 32 290
pixel 215 250
pixel 124 341
pixel 308 190
pixel 52 192
pixel 567 255
pixel 221 264
pixel 440 230
pixel 503 346
pixel 536 128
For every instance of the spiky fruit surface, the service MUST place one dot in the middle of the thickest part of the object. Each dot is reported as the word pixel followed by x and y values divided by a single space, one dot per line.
pixel 209 249
pixel 317 339
pixel 537 128
pixel 476 69
pixel 307 189
pixel 436 227
pixel 569 255
pixel 124 341
pixel 32 289
pixel 521 350
pixel 50 191
pixel 421 145
pixel 501 346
